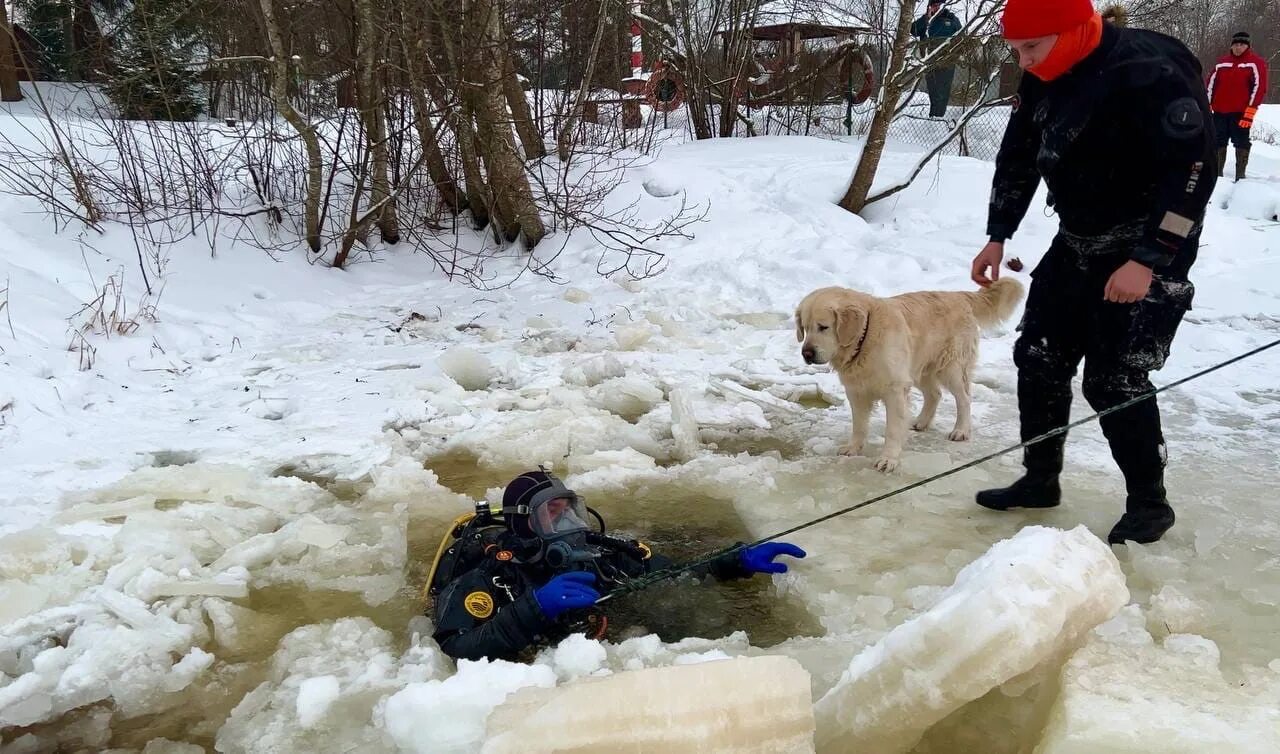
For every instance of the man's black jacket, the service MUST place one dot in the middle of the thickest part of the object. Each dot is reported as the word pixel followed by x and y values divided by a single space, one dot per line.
pixel 1124 142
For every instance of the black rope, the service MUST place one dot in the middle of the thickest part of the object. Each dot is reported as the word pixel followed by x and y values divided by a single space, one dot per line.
pixel 644 582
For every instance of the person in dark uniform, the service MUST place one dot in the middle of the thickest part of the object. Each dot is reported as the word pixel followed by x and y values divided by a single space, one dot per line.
pixel 1113 287
pixel 934 27
pixel 508 586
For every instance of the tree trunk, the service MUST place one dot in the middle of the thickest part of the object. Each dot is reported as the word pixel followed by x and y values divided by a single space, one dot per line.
pixel 419 69
pixel 280 96
pixel 450 194
pixel 855 198
pixel 497 145
pixel 375 124
pixel 564 144
pixel 479 197
pixel 10 91
pixel 526 128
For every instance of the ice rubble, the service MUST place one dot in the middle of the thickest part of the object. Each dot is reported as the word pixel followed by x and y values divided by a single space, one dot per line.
pixel 756 704
pixel 1123 692
pixel 118 611
pixel 1030 598
pixel 324 688
pixel 467 367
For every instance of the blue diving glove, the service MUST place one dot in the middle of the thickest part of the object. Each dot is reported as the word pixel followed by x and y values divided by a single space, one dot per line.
pixel 759 559
pixel 568 591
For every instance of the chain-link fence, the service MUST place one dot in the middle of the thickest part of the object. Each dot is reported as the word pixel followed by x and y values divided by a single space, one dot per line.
pixel 983 83
pixel 913 129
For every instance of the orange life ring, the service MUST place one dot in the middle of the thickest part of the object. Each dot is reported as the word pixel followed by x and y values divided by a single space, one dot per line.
pixel 860 59
pixel 664 91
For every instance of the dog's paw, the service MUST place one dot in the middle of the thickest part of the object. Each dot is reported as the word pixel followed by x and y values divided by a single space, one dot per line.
pixel 960 435
pixel 920 426
pixel 851 449
pixel 886 464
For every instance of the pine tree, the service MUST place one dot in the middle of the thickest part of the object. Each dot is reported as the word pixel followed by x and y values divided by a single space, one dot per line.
pixel 152 75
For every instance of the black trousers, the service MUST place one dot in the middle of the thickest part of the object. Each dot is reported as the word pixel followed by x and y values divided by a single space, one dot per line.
pixel 938 83
pixel 1226 126
pixel 1067 321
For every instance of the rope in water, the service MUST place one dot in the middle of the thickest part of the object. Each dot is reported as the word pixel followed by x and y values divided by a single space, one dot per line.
pixel 644 582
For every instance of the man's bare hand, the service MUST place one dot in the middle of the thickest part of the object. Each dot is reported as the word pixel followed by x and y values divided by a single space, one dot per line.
pixel 1128 284
pixel 987 262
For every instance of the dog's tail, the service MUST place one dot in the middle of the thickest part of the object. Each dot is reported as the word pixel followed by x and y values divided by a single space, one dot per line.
pixel 997 302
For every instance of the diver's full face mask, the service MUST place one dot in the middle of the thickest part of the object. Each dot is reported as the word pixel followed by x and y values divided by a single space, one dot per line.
pixel 556 517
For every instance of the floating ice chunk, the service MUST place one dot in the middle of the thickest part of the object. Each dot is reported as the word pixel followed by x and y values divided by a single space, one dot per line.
pixel 576 296
pixel 524 437
pixel 632 337
pixel 593 371
pixel 165 746
pixel 1176 611
pixel 578 656
pixel 1123 694
pixel 725 415
pixel 749 704
pixel 761 320
pixel 152 584
pixel 100 511
pixel 767 400
pixel 541 322
pixel 454 710
pixel 19 599
pixel 625 459
pixel 315 696
pixel 1029 598
pixel 193 664
pixel 684 425
pixel 467 367
pixel 134 613
pixel 314 532
pixel 626 396
pixel 239 630
pixel 271 408
pixel 323 690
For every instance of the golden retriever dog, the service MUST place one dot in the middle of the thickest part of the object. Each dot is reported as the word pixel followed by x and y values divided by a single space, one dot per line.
pixel 881 347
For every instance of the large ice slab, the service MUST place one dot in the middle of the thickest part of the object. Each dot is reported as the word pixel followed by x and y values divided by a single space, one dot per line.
pixel 1122 692
pixel 747 704
pixel 1028 599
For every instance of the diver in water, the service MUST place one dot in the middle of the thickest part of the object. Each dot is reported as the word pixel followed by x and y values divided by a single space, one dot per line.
pixel 502 586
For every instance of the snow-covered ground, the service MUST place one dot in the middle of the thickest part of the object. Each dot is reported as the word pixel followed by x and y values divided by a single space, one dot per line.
pixel 216 535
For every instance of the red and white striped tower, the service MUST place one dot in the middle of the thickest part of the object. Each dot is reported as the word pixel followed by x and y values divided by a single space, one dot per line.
pixel 634 84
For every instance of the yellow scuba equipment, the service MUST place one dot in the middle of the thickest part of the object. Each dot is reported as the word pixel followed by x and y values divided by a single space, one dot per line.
pixel 483 512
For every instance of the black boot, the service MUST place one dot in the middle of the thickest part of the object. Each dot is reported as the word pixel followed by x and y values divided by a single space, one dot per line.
pixel 1036 489
pixel 1242 163
pixel 1147 517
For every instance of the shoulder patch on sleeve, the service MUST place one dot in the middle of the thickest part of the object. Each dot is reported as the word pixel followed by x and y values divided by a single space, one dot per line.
pixel 1183 119
pixel 478 604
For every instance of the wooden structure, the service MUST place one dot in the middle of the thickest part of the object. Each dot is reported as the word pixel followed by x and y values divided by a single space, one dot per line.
pixel 789 72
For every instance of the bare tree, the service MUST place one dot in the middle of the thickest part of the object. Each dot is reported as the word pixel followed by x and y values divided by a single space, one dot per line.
pixel 530 134
pixel 564 144
pixel 370 94
pixel 9 89
pixel 306 131
pixel 902 71
pixel 482 90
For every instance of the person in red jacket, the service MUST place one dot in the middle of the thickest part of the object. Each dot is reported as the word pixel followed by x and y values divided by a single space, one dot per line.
pixel 1236 88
